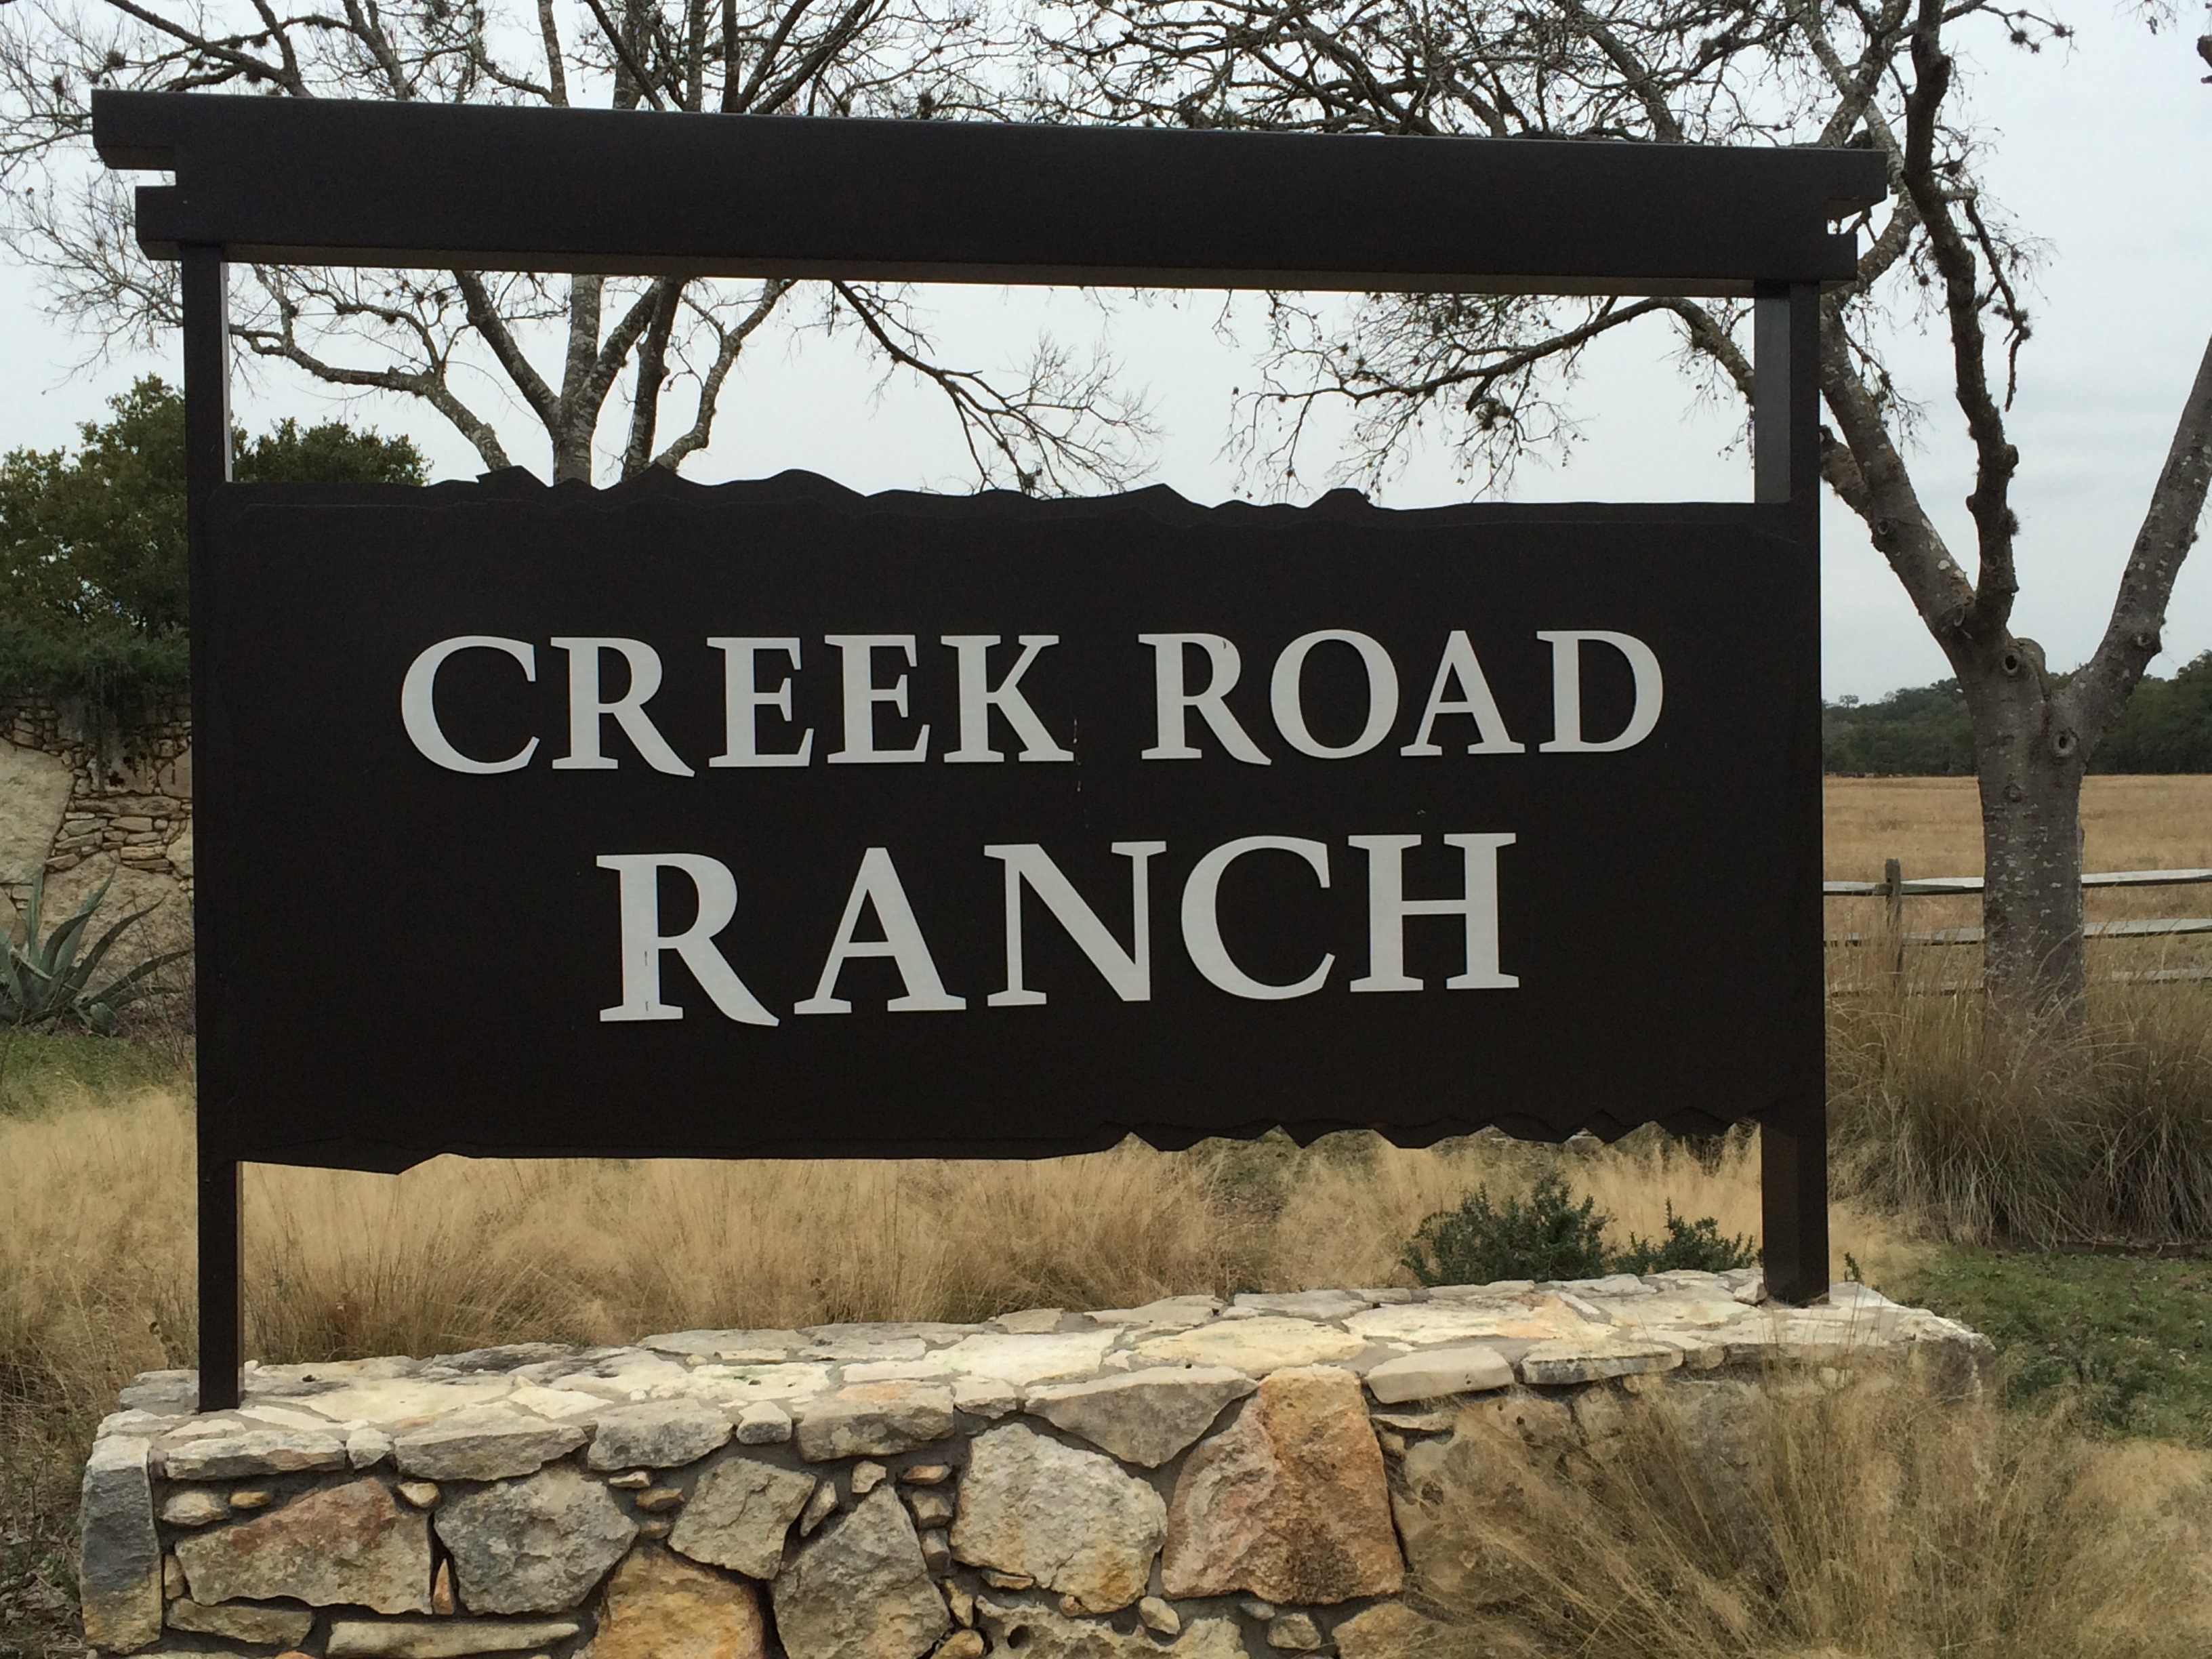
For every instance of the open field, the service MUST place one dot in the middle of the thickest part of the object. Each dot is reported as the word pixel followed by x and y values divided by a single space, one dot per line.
pixel 1932 827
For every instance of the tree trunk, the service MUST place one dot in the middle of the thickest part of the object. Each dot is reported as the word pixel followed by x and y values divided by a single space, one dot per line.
pixel 2029 764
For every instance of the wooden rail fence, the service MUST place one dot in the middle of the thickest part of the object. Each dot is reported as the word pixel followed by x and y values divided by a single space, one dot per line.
pixel 1896 890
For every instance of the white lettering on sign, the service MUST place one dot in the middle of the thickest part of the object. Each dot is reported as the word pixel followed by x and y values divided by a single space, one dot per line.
pixel 588 709
pixel 862 694
pixel 1460 689
pixel 1459 667
pixel 418 706
pixel 742 700
pixel 1201 919
pixel 1284 693
pixel 1567 692
pixel 1129 972
pixel 643 944
pixel 1175 702
pixel 1388 907
pixel 978 699
pixel 877 887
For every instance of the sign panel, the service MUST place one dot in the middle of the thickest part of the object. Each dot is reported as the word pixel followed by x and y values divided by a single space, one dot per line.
pixel 770 819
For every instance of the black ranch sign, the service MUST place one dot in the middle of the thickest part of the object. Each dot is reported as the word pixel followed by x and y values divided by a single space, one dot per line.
pixel 769 819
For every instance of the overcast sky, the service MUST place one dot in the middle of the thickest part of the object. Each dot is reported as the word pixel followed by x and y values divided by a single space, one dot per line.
pixel 2105 152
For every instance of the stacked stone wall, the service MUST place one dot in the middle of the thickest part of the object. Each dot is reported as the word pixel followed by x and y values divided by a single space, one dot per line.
pixel 89 802
pixel 1184 1479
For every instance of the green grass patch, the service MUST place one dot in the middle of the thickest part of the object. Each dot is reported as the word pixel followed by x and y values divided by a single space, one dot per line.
pixel 43 1071
pixel 2129 1338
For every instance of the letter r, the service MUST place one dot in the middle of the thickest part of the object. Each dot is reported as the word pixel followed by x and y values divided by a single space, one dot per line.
pixel 643 943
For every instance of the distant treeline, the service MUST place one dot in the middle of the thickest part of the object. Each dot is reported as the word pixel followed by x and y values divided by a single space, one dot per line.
pixel 1923 730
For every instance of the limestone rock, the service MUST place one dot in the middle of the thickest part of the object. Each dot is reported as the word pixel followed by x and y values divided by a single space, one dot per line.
pixel 256 1451
pixel 422 1494
pixel 1294 1632
pixel 253 1497
pixel 1174 1313
pixel 1255 1347
pixel 173 1579
pixel 819 1508
pixel 1031 1322
pixel 738 1515
pixel 494 1443
pixel 1388 1630
pixel 750 1347
pixel 1159 1617
pixel 534 1546
pixel 193 1507
pixel 961 1644
pixel 366 1447
pixel 1142 1417
pixel 34 792
pixel 661 1435
pixel 443 1638
pixel 238 1621
pixel 660 1607
pixel 1428 1324
pixel 873 1420
pixel 1436 1372
pixel 985 1396
pixel 1594 1358
pixel 333 1546
pixel 1018 1360
pixel 763 1423
pixel 119 1555
pixel 1039 1633
pixel 1289 1502
pixel 1074 1520
pixel 867 1476
pixel 860 1588
pixel 930 1508
pixel 1306 1304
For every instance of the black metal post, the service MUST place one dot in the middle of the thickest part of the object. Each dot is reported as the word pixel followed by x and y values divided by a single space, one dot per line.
pixel 207 468
pixel 1786 465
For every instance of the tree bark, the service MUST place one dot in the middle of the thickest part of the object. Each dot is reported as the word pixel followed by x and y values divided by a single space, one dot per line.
pixel 2029 766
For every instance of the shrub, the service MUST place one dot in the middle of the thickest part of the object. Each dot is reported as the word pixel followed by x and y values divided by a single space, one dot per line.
pixel 1689 1247
pixel 1554 1237
pixel 1550 1237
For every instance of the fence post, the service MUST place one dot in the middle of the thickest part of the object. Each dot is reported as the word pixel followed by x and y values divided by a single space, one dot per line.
pixel 1892 876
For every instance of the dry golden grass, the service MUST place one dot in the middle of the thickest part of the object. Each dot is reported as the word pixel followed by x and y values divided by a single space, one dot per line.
pixel 1870 1521
pixel 95 1243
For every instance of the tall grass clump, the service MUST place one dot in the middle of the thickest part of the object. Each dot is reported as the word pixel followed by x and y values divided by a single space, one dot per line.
pixel 1984 1126
pixel 1868 1521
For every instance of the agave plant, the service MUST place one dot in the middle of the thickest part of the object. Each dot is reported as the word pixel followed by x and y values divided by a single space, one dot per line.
pixel 43 981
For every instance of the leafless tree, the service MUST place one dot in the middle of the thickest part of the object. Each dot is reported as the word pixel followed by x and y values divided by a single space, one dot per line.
pixel 458 340
pixel 1489 374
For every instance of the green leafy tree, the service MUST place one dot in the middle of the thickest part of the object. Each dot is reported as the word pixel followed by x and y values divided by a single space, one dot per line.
pixel 93 544
pixel 2166 726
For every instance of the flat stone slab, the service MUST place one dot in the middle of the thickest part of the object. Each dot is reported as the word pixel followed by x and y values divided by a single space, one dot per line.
pixel 1436 1372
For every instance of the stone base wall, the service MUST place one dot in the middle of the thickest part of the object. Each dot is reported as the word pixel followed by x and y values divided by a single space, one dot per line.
pixel 1183 1478
pixel 90 805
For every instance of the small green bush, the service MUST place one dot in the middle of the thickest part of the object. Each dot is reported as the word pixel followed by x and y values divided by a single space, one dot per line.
pixel 1689 1247
pixel 1550 1237
pixel 1554 1237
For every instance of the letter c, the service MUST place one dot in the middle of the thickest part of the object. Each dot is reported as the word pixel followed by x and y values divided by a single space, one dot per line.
pixel 1201 921
pixel 418 707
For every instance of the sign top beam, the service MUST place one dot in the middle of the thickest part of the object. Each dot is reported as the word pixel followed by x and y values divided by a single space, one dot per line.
pixel 331 182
